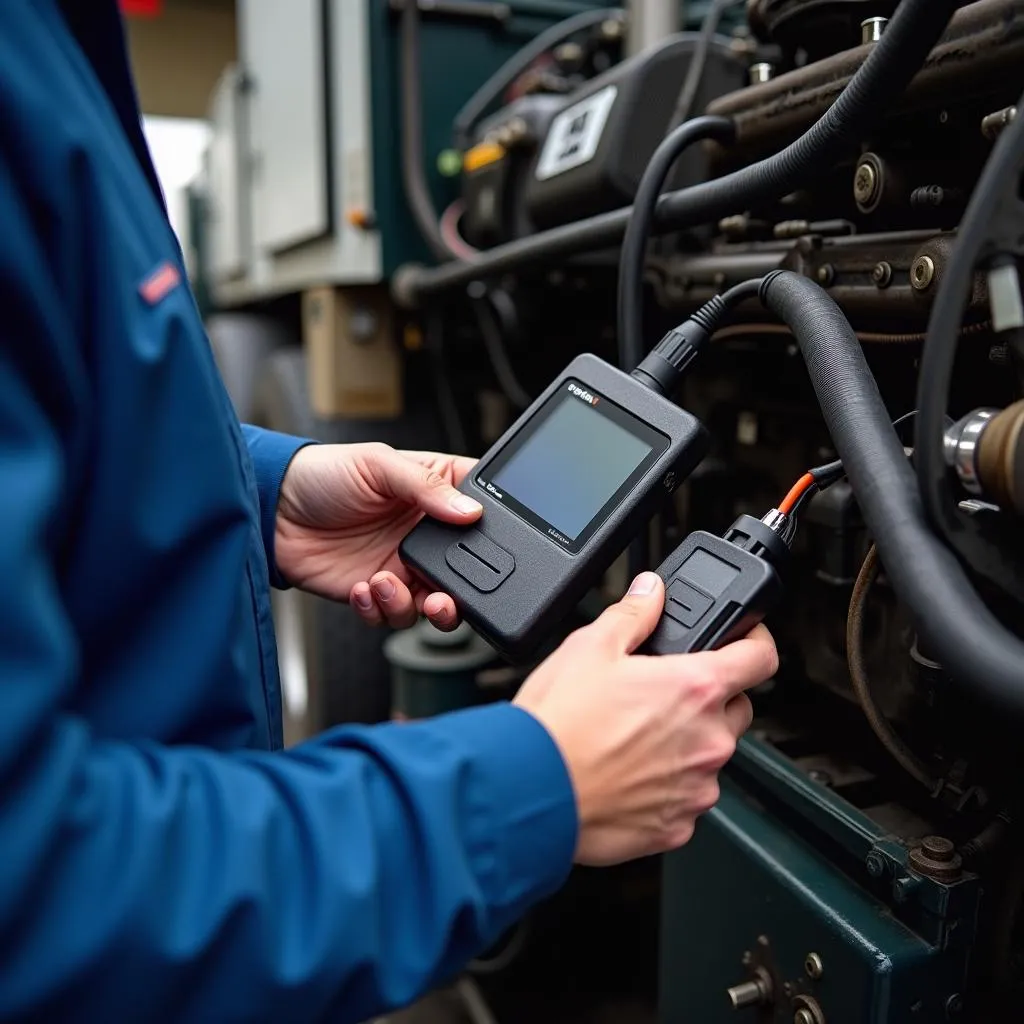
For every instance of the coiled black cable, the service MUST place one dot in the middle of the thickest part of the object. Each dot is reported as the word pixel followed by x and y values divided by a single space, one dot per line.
pixel 970 643
pixel 914 29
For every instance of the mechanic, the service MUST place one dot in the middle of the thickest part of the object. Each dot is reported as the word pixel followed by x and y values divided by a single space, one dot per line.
pixel 163 858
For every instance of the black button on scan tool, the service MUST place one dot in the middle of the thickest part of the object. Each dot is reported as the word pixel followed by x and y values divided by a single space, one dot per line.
pixel 686 604
pixel 480 561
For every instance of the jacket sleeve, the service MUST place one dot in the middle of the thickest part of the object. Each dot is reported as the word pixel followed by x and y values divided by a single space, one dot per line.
pixel 149 883
pixel 271 453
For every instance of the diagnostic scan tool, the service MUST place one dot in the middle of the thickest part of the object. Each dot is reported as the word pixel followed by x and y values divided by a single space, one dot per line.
pixel 564 491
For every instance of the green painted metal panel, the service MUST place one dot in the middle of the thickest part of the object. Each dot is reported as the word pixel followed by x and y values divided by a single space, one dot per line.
pixel 749 890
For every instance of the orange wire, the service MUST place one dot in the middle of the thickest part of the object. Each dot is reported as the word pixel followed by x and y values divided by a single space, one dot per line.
pixel 796 492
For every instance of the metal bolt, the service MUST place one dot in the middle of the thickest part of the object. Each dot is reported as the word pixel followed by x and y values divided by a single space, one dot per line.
pixel 803 1016
pixel 922 273
pixel 875 863
pixel 865 183
pixel 882 274
pixel 938 848
pixel 761 72
pixel 813 966
pixel 744 995
pixel 821 777
pixel 756 992
pixel 826 274
pixel 954 1005
pixel 903 888
pixel 747 959
pixel 871 29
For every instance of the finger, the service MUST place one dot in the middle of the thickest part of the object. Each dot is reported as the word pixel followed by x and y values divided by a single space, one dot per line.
pixel 361 598
pixel 627 624
pixel 425 488
pixel 458 466
pixel 440 610
pixel 739 713
pixel 394 600
pixel 737 666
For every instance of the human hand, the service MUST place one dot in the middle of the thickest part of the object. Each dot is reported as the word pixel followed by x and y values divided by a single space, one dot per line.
pixel 644 738
pixel 342 513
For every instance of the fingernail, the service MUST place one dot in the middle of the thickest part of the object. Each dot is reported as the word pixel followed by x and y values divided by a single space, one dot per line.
pixel 465 505
pixel 384 589
pixel 644 584
pixel 363 599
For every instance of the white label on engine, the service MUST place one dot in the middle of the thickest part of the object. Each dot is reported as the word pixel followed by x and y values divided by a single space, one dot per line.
pixel 575 134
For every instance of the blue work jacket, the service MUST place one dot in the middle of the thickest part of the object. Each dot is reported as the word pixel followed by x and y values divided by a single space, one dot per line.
pixel 160 858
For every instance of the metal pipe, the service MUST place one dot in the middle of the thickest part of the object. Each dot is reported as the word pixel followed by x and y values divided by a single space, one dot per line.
pixel 650 22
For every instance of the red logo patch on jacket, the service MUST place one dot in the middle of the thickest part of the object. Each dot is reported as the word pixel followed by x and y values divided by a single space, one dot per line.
pixel 160 283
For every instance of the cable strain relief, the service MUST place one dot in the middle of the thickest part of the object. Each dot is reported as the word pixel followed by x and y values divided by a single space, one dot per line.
pixel 766 282
pixel 761 539
pixel 709 316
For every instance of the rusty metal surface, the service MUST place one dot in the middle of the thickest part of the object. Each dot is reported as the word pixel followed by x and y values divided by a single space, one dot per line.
pixel 984 44
pixel 847 266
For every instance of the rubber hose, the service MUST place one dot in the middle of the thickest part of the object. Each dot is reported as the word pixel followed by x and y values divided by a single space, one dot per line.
pixel 417 193
pixel 909 37
pixel 971 644
pixel 634 245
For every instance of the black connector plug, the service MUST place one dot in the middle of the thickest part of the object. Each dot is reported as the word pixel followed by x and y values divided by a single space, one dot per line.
pixel 662 368
pixel 717 589
pixel 665 364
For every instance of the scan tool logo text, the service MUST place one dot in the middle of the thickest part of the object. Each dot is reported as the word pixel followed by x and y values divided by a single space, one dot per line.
pixel 586 396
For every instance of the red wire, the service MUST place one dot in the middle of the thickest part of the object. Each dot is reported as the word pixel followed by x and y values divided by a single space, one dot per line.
pixel 796 492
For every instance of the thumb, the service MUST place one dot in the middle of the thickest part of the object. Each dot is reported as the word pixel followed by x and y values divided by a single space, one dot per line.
pixel 428 491
pixel 629 623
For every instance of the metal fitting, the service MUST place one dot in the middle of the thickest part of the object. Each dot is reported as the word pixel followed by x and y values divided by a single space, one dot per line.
pixel 511 132
pixel 871 29
pixel 960 447
pixel 776 521
pixel 999 458
pixel 867 183
pixel 875 863
pixel 569 53
pixel 881 274
pixel 813 966
pixel 937 858
pixel 993 125
pixel 922 273
pixel 612 29
pixel 761 72
pixel 808 1010
pixel 756 992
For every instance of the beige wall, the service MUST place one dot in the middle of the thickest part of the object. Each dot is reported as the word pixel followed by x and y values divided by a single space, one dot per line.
pixel 179 56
